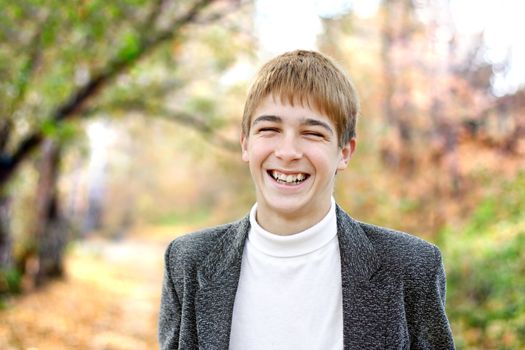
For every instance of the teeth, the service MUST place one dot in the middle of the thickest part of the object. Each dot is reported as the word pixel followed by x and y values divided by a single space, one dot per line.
pixel 288 178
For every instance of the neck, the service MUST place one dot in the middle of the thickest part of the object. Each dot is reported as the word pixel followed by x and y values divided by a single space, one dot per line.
pixel 285 224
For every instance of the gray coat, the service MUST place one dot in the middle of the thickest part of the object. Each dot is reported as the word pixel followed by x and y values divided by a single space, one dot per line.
pixel 393 288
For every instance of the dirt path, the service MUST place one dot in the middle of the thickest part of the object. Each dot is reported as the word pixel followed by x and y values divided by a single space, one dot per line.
pixel 109 301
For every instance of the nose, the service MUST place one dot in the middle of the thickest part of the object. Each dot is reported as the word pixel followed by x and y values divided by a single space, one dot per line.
pixel 288 148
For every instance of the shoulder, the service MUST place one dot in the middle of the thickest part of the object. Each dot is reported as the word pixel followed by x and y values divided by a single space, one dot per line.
pixel 397 243
pixel 415 270
pixel 403 252
pixel 194 246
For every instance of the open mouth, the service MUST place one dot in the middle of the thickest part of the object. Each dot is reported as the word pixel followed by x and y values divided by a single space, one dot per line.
pixel 288 179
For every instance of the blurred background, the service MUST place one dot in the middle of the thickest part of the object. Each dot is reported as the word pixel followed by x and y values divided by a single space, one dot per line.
pixel 119 127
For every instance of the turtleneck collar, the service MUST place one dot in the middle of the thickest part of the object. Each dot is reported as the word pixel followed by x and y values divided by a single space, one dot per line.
pixel 296 244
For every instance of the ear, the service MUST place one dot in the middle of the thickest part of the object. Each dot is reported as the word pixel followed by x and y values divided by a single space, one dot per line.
pixel 244 147
pixel 346 153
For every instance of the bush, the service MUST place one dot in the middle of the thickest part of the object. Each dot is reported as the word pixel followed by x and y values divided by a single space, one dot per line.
pixel 486 272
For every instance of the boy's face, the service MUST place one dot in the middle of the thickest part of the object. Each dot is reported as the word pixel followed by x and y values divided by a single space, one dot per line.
pixel 293 155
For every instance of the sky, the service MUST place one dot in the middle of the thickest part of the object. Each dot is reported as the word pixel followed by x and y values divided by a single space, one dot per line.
pixel 284 25
pixel 503 27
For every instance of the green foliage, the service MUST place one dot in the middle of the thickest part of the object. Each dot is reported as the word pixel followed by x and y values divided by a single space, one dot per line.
pixel 48 49
pixel 130 47
pixel 493 210
pixel 215 40
pixel 63 131
pixel 201 105
pixel 192 217
pixel 486 272
pixel 10 281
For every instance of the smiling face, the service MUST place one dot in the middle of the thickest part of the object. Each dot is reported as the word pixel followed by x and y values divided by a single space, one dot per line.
pixel 293 155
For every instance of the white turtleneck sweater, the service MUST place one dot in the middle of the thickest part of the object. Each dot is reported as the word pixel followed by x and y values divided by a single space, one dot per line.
pixel 289 294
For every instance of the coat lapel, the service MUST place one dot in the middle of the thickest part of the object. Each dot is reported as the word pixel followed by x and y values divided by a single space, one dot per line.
pixel 218 279
pixel 361 298
pixel 219 274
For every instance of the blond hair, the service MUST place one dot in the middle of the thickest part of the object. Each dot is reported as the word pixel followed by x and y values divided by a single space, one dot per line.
pixel 307 77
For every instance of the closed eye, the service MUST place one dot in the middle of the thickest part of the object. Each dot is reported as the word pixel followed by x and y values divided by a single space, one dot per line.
pixel 314 134
pixel 267 130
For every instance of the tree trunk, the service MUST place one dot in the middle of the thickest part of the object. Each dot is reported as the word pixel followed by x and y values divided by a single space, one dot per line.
pixel 398 108
pixel 5 237
pixel 50 228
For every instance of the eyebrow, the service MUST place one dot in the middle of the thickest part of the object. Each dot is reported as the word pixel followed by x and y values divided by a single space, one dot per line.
pixel 315 122
pixel 267 118
pixel 305 121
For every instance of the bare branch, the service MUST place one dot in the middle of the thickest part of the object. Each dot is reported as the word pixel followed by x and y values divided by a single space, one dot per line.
pixel 6 125
pixel 29 67
pixel 229 7
pixel 201 126
pixel 8 165
pixel 173 28
pixel 154 14
pixel 22 83
pixel 192 121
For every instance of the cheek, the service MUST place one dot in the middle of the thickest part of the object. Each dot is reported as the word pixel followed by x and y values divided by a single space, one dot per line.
pixel 256 153
pixel 262 148
pixel 325 162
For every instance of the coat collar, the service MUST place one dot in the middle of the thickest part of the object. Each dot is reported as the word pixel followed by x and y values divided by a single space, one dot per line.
pixel 359 260
pixel 218 279
pixel 363 302
pixel 219 274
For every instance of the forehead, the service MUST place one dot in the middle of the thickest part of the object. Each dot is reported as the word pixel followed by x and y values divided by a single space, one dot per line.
pixel 297 108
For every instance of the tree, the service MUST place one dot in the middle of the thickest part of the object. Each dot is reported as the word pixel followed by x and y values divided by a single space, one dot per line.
pixel 58 60
pixel 135 40
pixel 426 93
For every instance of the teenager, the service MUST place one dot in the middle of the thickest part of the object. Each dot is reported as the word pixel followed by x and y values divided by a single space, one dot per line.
pixel 298 272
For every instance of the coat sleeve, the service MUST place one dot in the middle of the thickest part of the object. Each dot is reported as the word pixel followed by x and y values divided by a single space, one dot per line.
pixel 170 309
pixel 431 326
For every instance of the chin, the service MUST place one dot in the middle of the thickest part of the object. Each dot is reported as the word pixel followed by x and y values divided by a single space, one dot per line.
pixel 292 208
